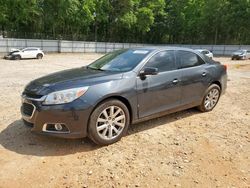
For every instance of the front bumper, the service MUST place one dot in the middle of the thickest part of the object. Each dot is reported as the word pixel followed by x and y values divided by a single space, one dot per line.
pixel 74 116
pixel 8 57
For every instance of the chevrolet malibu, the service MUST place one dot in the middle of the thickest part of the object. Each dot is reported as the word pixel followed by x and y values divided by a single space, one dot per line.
pixel 102 99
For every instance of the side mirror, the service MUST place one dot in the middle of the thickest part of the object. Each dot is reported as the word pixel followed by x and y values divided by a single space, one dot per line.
pixel 149 71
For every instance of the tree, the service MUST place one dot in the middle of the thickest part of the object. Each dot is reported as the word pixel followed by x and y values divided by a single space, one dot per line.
pixel 147 21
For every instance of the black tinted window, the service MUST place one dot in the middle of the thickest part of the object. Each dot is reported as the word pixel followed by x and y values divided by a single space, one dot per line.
pixel 188 59
pixel 30 49
pixel 164 61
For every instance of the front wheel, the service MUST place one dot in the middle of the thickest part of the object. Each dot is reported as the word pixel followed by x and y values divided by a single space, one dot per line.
pixel 17 57
pixel 210 99
pixel 108 122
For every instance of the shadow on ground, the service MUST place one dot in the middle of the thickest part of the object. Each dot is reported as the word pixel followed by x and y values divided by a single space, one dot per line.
pixel 18 138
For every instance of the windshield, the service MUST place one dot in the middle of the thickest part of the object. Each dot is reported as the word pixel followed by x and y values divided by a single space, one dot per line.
pixel 10 53
pixel 240 51
pixel 121 60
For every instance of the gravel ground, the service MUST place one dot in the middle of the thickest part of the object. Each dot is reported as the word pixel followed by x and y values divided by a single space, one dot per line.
pixel 184 149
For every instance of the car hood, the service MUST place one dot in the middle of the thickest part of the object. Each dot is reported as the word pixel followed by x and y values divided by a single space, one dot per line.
pixel 77 77
pixel 14 49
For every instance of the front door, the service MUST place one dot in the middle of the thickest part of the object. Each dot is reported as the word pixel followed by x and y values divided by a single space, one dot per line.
pixel 26 53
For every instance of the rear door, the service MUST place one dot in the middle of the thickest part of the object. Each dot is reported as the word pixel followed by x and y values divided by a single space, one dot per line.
pixel 194 76
pixel 161 92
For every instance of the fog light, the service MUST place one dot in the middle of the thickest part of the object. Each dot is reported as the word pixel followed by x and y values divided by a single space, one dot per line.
pixel 55 128
pixel 58 127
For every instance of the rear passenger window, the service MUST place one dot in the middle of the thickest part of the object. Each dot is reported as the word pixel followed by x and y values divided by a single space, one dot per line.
pixel 164 61
pixel 188 59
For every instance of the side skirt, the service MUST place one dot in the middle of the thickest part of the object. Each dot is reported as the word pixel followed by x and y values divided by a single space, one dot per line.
pixel 160 114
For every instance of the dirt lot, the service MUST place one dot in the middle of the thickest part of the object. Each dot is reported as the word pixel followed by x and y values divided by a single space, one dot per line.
pixel 185 149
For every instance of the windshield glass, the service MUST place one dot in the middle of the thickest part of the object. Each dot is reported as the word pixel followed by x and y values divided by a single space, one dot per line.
pixel 240 51
pixel 121 60
pixel 10 53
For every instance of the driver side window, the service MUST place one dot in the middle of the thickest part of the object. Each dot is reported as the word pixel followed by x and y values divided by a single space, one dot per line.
pixel 164 61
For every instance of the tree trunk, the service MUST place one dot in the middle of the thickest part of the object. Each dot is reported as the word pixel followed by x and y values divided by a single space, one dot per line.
pixel 216 35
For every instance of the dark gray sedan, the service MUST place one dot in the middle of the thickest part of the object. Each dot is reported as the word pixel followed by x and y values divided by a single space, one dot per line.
pixel 123 87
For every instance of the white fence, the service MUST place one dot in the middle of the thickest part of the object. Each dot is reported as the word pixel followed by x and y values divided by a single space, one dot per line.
pixel 101 47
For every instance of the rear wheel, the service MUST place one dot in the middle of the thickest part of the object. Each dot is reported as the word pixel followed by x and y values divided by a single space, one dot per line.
pixel 108 122
pixel 39 56
pixel 210 99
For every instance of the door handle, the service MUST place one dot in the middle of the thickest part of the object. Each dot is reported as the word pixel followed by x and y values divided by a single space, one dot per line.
pixel 175 81
pixel 204 74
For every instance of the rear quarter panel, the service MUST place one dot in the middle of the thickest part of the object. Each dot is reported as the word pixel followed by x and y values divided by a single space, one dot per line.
pixel 218 73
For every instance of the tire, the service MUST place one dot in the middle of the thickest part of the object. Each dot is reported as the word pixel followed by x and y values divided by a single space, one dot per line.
pixel 111 128
pixel 17 57
pixel 28 124
pixel 39 56
pixel 210 99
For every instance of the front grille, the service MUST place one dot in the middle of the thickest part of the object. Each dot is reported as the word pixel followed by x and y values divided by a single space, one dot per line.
pixel 27 109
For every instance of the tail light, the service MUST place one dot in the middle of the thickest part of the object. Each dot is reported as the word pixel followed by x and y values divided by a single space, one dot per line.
pixel 225 67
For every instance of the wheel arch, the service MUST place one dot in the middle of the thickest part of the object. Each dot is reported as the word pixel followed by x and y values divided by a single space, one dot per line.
pixel 217 83
pixel 39 54
pixel 124 100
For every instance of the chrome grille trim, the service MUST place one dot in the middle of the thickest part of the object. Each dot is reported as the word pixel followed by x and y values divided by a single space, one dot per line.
pixel 34 99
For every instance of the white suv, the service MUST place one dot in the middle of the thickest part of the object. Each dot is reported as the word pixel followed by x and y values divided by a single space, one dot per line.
pixel 25 53
pixel 206 52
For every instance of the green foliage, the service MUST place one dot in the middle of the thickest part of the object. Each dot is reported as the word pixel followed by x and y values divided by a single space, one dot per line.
pixel 147 21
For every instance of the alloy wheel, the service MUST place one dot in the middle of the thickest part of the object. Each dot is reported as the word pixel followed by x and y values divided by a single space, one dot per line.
pixel 111 122
pixel 211 98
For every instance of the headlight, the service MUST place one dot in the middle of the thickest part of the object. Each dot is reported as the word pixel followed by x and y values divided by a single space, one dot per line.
pixel 65 96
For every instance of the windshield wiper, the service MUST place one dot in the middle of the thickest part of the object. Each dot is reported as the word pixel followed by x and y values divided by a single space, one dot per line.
pixel 95 68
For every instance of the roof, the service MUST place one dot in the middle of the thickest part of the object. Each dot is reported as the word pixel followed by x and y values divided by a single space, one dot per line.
pixel 201 50
pixel 156 48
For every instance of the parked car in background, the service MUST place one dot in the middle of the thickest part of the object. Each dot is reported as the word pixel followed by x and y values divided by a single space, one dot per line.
pixel 25 53
pixel 241 54
pixel 123 87
pixel 206 52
